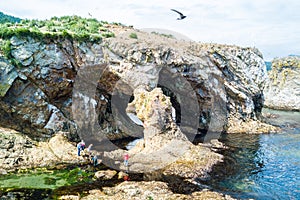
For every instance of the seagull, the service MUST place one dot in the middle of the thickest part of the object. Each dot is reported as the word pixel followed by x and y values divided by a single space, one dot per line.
pixel 181 15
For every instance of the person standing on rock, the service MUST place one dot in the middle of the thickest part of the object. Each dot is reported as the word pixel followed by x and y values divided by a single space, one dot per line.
pixel 78 148
pixel 126 157
pixel 82 145
pixel 95 160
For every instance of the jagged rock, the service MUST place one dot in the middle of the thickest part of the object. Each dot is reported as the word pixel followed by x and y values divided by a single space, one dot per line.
pixel 206 83
pixel 154 110
pixel 20 151
pixel 283 88
pixel 7 76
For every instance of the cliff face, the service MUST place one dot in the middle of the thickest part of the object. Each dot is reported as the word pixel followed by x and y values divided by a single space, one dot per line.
pixel 283 88
pixel 50 85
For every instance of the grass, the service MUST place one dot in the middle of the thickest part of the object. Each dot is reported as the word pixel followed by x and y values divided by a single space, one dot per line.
pixel 71 27
pixel 56 28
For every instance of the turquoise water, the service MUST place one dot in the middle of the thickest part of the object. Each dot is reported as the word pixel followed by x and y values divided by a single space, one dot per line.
pixel 263 166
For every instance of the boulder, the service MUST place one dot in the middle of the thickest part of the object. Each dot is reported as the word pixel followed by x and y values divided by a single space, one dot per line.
pixel 105 174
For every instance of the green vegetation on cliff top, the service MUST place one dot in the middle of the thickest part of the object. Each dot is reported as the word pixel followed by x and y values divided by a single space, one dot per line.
pixel 7 18
pixel 72 27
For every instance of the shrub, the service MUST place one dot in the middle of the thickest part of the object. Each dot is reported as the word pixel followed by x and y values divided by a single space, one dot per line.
pixel 6 49
pixel 133 35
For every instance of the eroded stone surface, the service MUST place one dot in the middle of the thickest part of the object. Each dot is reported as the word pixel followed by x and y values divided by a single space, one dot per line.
pixel 283 88
pixel 149 190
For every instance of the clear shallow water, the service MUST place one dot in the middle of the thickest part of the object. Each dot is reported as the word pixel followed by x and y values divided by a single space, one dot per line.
pixel 45 179
pixel 261 166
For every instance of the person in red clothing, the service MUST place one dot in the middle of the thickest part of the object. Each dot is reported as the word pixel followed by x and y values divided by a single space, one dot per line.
pixel 126 177
pixel 126 157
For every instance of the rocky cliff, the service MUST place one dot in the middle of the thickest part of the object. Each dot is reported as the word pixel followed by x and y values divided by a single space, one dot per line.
pixel 82 84
pixel 283 88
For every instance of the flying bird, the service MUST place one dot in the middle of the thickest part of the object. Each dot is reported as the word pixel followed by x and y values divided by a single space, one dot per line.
pixel 181 15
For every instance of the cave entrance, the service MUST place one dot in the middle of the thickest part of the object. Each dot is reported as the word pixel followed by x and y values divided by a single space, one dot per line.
pixel 176 109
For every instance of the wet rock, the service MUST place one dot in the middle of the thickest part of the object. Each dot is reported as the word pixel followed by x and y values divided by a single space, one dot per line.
pixel 196 162
pixel 270 115
pixel 250 126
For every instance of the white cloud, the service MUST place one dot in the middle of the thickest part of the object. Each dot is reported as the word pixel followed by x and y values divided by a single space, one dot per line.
pixel 272 26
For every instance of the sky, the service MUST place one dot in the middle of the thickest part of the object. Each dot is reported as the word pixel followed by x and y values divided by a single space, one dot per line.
pixel 272 26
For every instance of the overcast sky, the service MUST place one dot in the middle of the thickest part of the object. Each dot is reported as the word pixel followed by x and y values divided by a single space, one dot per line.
pixel 273 26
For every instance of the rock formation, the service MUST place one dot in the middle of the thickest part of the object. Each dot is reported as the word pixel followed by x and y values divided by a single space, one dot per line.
pixel 38 80
pixel 90 88
pixel 283 88
pixel 154 109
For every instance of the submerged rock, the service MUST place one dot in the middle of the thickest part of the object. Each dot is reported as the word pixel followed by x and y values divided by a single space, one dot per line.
pixel 283 89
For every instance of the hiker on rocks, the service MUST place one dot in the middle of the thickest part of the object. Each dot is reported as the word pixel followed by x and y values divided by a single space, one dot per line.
pixel 126 157
pixel 82 145
pixel 78 148
pixel 95 160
